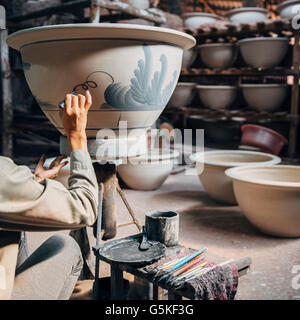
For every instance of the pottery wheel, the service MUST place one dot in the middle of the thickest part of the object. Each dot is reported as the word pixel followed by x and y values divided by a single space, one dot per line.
pixel 127 251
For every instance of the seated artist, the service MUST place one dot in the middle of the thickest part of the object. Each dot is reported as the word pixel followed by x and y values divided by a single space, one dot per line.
pixel 53 269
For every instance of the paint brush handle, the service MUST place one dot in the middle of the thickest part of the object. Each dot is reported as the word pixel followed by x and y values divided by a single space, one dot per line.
pixel 188 265
pixel 187 259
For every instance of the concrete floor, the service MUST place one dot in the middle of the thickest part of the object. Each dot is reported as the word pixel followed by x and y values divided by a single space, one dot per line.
pixel 222 229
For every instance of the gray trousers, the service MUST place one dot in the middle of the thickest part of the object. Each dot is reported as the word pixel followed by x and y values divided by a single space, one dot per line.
pixel 49 273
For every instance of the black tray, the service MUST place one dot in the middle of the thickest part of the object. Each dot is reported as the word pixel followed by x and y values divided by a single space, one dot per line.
pixel 127 251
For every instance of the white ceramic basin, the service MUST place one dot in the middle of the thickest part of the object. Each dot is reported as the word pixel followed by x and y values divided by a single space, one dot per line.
pixel 269 197
pixel 264 97
pixel 263 52
pixel 195 20
pixel 189 57
pixel 247 15
pixel 289 9
pixel 183 94
pixel 131 70
pixel 218 55
pixel 148 172
pixel 213 178
pixel 217 97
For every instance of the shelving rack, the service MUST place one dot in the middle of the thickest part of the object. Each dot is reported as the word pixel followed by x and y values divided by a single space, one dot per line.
pixel 232 31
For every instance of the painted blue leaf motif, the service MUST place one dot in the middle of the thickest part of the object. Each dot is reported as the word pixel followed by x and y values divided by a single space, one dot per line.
pixel 143 91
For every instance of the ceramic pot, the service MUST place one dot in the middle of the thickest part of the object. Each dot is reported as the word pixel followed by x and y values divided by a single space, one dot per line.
pixel 217 97
pixel 267 140
pixel 183 94
pixel 218 55
pixel 289 9
pixel 189 57
pixel 264 97
pixel 131 71
pixel 195 20
pixel 269 197
pixel 263 52
pixel 213 178
pixel 148 172
pixel 247 15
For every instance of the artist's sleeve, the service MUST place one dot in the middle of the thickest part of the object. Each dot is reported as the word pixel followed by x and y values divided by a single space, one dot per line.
pixel 49 205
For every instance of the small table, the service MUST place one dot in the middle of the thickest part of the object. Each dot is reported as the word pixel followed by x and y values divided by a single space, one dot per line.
pixel 117 269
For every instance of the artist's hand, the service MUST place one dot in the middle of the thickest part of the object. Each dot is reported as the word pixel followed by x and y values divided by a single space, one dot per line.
pixel 41 173
pixel 74 119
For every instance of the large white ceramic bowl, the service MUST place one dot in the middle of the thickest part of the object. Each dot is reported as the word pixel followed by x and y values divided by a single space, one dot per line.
pixel 264 97
pixel 289 9
pixel 218 55
pixel 148 172
pixel 195 20
pixel 247 15
pixel 189 57
pixel 269 197
pixel 213 178
pixel 217 97
pixel 263 52
pixel 183 94
pixel 131 70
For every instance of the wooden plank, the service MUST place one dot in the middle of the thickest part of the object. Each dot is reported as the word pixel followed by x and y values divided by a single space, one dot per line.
pixel 2 18
pixel 293 141
pixel 6 97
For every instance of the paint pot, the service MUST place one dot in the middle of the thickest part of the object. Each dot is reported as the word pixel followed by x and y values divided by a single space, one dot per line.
pixel 163 227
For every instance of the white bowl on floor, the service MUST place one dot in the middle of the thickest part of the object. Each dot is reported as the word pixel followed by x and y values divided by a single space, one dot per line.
pixel 216 183
pixel 269 197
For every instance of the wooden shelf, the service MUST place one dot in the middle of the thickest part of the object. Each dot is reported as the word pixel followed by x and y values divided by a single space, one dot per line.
pixel 230 114
pixel 238 72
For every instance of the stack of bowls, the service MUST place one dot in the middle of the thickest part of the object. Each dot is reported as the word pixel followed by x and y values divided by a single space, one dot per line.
pixel 217 97
pixel 195 20
pixel 188 58
pixel 218 55
pixel 263 52
pixel 247 15
pixel 183 94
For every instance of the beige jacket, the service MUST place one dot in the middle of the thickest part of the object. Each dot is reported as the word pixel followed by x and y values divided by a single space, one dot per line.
pixel 47 206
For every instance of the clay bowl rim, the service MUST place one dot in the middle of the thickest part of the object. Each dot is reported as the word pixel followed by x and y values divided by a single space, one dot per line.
pixel 263 85
pixel 19 39
pixel 273 159
pixel 233 174
pixel 212 45
pixel 201 14
pixel 151 214
pixel 214 87
pixel 255 126
pixel 247 9
pixel 257 39
pixel 168 154
pixel 186 84
pixel 286 4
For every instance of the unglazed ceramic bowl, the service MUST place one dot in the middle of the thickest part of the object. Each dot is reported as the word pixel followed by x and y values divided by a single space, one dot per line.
pixel 247 15
pixel 213 178
pixel 183 94
pixel 289 9
pixel 148 172
pixel 217 97
pixel 218 55
pixel 264 97
pixel 269 197
pixel 189 57
pixel 130 70
pixel 263 52
pixel 195 20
